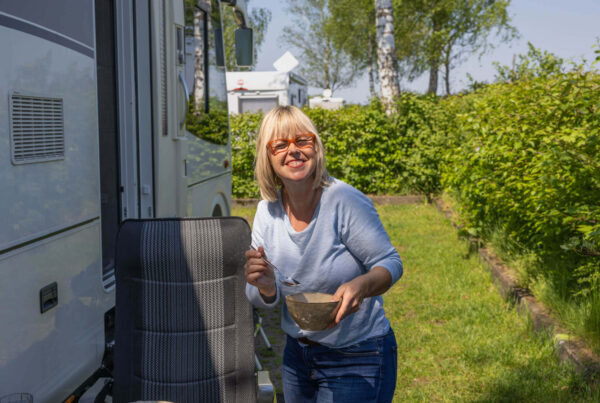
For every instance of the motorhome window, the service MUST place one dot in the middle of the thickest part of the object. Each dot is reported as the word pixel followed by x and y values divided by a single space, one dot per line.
pixel 208 117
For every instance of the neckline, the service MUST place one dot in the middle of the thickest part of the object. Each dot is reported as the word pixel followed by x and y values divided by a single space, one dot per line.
pixel 287 221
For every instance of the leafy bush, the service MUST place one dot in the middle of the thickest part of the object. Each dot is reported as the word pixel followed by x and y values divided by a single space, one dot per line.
pixel 526 161
pixel 364 147
pixel 244 129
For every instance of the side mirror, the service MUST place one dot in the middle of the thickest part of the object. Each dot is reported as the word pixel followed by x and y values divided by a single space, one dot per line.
pixel 244 51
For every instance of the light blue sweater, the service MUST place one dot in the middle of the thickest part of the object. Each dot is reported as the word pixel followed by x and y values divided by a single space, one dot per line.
pixel 344 239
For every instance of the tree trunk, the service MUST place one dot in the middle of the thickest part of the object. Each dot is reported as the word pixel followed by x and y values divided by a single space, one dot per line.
pixel 386 54
pixel 447 75
pixel 433 78
pixel 436 55
pixel 198 62
pixel 327 73
pixel 372 61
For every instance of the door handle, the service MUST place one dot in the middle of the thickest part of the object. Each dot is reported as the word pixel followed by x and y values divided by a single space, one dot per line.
pixel 48 297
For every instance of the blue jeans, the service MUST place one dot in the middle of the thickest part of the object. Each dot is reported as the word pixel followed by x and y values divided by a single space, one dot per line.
pixel 364 372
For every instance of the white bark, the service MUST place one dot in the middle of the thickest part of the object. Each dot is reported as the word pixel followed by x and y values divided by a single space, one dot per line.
pixel 198 62
pixel 386 54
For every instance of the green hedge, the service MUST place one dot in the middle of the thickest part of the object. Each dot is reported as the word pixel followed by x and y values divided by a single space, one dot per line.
pixel 376 154
pixel 525 161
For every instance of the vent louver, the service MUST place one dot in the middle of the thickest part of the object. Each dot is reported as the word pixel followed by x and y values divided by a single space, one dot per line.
pixel 37 129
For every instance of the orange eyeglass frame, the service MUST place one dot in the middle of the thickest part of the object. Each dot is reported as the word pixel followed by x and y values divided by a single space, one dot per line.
pixel 290 141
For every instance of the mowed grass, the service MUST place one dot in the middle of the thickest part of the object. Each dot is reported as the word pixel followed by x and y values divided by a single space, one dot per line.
pixel 458 339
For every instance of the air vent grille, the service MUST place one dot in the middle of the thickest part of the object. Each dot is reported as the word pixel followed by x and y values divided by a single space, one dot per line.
pixel 37 129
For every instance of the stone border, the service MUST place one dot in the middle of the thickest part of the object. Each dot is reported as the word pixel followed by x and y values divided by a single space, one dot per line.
pixel 568 348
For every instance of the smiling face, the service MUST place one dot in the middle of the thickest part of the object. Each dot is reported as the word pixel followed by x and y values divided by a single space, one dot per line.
pixel 294 165
pixel 299 163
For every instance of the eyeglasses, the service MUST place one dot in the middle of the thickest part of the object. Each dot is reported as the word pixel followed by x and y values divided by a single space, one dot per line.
pixel 301 141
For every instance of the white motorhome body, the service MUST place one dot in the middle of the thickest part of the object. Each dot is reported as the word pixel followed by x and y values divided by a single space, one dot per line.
pixel 92 105
pixel 251 91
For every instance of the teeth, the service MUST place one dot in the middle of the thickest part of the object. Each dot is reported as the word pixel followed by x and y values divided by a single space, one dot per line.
pixel 295 163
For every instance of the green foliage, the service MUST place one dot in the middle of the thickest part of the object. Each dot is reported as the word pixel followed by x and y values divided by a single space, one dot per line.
pixel 352 28
pixel 536 63
pixel 525 161
pixel 212 127
pixel 435 33
pixel 208 136
pixel 244 129
pixel 374 153
pixel 323 64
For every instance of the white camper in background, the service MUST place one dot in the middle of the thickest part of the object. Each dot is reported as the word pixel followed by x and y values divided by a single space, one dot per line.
pixel 92 110
pixel 253 91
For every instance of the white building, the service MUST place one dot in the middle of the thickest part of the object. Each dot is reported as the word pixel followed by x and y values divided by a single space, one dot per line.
pixel 253 91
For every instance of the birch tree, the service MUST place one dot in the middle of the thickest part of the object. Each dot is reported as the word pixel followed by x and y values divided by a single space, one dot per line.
pixel 444 32
pixel 386 58
pixel 352 27
pixel 323 64
pixel 198 61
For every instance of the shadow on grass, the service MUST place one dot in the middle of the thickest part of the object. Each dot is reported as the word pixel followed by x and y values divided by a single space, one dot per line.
pixel 526 383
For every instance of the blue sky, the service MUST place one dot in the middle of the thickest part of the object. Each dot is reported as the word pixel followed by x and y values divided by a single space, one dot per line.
pixel 566 28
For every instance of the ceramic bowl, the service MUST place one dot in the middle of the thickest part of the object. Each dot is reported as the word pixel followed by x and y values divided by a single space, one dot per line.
pixel 311 310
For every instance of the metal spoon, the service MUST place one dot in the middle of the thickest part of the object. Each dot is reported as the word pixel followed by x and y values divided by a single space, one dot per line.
pixel 290 282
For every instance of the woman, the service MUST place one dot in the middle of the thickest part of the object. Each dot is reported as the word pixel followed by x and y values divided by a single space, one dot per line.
pixel 327 236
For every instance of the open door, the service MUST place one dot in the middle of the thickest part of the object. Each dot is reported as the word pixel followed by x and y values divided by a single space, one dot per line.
pixel 124 119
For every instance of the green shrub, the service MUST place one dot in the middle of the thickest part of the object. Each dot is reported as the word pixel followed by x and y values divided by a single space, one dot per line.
pixel 364 147
pixel 244 129
pixel 526 161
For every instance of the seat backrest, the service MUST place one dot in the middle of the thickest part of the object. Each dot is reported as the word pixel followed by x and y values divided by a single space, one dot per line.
pixel 184 328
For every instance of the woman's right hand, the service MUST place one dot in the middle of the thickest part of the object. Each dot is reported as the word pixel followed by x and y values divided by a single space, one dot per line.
pixel 259 274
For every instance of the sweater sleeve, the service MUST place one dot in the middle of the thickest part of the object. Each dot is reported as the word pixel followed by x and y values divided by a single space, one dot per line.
pixel 363 234
pixel 260 219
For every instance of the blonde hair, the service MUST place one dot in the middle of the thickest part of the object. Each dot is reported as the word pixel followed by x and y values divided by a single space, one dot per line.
pixel 285 122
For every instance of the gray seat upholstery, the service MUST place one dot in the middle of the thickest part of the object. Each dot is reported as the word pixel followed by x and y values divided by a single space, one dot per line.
pixel 184 328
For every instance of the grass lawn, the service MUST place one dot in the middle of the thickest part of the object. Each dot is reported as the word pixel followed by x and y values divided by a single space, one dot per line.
pixel 458 340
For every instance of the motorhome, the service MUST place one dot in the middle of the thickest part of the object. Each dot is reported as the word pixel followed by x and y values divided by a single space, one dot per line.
pixel 93 105
pixel 253 91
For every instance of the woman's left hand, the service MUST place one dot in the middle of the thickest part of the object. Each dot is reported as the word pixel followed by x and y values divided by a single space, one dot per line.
pixel 377 281
pixel 351 295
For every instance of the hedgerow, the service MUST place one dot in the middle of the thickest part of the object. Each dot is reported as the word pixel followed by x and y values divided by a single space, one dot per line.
pixel 376 154
pixel 525 161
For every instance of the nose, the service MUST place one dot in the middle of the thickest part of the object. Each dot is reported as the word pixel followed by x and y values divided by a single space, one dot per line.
pixel 293 148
